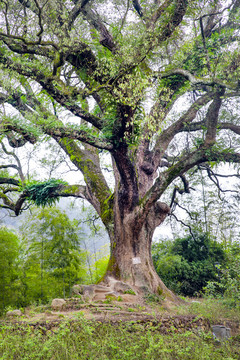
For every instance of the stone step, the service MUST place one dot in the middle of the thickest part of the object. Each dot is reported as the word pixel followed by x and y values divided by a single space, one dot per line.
pixel 103 289
pixel 102 295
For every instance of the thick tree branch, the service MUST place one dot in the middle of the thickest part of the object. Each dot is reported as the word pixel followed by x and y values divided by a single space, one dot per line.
pixel 8 204
pixel 212 118
pixel 175 19
pixel 9 181
pixel 9 39
pixel 81 135
pixel 229 126
pixel 196 126
pixel 82 7
pixel 56 132
pixel 137 7
pixel 78 191
pixel 158 13
pixel 78 54
pixel 9 129
pixel 88 163
pixel 198 81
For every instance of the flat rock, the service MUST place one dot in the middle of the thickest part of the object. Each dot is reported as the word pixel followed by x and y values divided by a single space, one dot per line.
pixel 122 287
pixel 58 303
pixel 77 289
pixel 87 291
pixel 119 286
pixel 221 332
pixel 14 313
pixel 114 288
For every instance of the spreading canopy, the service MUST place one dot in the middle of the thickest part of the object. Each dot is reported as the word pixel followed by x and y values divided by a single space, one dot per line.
pixel 133 78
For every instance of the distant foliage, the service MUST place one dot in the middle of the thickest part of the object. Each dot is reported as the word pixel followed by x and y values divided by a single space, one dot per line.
pixel 53 259
pixel 187 264
pixel 43 261
pixel 9 253
pixel 99 266
pixel 44 193
pixel 228 287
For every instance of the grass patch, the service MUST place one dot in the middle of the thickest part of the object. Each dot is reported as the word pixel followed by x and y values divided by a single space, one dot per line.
pixel 129 291
pixel 212 309
pixel 89 341
pixel 151 298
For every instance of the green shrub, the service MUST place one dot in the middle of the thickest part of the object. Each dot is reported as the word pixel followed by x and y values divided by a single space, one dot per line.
pixel 229 286
pixel 187 264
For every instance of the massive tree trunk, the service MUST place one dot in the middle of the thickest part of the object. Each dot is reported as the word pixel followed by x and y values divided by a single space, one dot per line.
pixel 130 258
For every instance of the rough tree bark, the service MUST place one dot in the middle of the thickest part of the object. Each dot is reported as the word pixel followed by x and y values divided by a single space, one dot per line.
pixel 131 259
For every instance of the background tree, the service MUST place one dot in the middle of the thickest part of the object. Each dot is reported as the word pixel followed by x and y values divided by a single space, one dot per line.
pixel 96 244
pixel 9 267
pixel 53 259
pixel 213 209
pixel 152 83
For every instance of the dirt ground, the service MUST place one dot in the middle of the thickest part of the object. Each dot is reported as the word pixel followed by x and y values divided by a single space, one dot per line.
pixel 131 308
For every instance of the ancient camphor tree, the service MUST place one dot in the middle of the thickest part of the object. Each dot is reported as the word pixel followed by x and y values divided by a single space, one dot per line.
pixel 123 70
